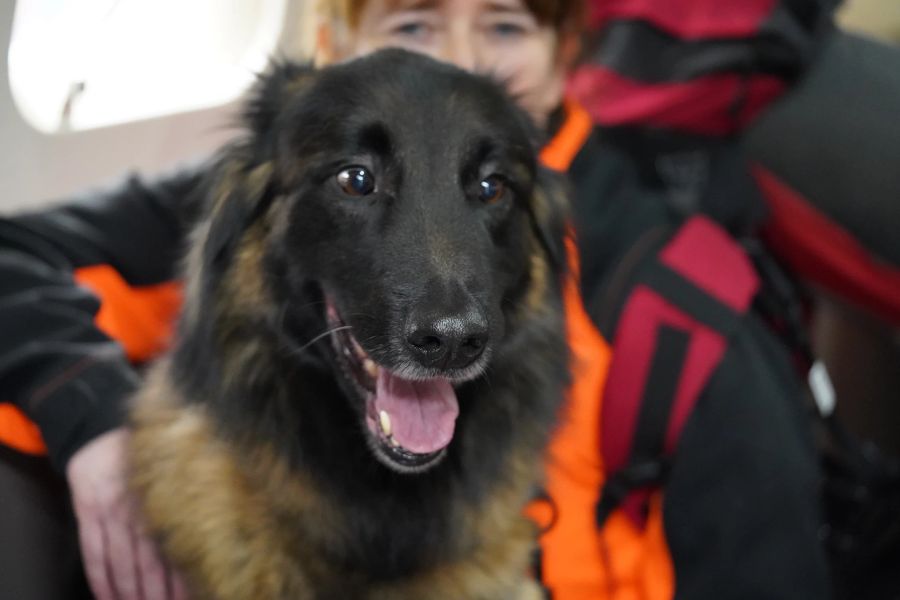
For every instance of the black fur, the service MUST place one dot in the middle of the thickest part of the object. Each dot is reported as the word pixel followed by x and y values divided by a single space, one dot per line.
pixel 429 133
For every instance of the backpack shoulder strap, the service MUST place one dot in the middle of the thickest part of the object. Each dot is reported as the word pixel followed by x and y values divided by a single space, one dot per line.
pixel 671 333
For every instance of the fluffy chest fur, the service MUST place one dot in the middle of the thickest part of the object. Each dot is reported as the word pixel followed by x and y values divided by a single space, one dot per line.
pixel 370 357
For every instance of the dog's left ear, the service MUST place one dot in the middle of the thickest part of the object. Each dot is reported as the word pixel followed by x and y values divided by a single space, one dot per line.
pixel 549 212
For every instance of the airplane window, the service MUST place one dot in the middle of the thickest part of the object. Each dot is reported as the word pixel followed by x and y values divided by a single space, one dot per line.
pixel 94 63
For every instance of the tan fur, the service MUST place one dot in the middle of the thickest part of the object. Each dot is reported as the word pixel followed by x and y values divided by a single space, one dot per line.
pixel 536 299
pixel 217 531
pixel 543 205
pixel 219 512
pixel 219 506
pixel 230 184
pixel 241 525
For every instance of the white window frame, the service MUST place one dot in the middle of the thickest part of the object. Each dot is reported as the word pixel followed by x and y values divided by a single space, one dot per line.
pixel 86 64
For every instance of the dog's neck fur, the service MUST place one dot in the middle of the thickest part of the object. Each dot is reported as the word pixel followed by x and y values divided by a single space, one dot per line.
pixel 383 523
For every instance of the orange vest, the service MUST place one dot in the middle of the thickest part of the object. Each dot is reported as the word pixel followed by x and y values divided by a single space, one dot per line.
pixel 578 560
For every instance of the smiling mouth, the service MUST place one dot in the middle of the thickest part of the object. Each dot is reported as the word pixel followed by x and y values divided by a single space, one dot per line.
pixel 408 423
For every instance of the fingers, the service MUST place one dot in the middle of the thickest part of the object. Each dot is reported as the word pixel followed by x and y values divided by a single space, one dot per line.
pixel 121 562
pixel 154 576
pixel 93 552
pixel 177 588
pixel 122 555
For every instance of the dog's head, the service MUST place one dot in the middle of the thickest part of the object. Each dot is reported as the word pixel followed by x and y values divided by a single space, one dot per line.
pixel 396 203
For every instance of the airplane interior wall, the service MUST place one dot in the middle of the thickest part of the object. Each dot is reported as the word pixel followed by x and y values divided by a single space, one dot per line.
pixel 37 169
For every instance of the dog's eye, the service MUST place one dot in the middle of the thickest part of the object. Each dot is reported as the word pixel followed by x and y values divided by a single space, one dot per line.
pixel 491 189
pixel 356 181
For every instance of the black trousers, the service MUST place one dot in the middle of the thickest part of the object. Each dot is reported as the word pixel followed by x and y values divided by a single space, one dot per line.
pixel 39 554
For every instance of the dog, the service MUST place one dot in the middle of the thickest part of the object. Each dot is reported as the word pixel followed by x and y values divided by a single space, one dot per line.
pixel 370 358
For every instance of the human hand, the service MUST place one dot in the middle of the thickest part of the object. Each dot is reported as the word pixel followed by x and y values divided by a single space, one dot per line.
pixel 120 560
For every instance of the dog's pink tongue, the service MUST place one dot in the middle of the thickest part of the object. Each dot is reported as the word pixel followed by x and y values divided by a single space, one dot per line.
pixel 423 413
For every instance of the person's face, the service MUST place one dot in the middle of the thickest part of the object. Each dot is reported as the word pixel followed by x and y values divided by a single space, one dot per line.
pixel 501 37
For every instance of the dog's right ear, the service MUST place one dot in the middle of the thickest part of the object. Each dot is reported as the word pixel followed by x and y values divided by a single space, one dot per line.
pixel 241 183
pixel 239 195
pixel 274 88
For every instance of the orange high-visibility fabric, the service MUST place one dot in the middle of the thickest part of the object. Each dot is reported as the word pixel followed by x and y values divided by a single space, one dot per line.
pixel 579 561
pixel 564 146
pixel 140 318
pixel 18 432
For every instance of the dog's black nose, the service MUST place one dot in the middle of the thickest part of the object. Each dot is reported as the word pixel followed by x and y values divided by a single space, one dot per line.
pixel 448 342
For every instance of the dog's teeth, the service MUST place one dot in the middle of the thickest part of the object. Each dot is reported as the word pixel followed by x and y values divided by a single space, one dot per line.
pixel 394 442
pixel 385 419
pixel 370 367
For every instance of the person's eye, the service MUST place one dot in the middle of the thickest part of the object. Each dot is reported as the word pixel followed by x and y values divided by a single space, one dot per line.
pixel 417 29
pixel 356 181
pixel 507 29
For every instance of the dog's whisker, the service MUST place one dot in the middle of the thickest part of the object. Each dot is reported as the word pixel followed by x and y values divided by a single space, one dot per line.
pixel 395 411
pixel 324 334
pixel 486 377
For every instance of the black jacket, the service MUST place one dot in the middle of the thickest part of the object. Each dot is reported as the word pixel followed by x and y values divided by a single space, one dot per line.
pixel 55 364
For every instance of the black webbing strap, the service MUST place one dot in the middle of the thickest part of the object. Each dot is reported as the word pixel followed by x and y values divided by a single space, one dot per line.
pixel 690 299
pixel 646 465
